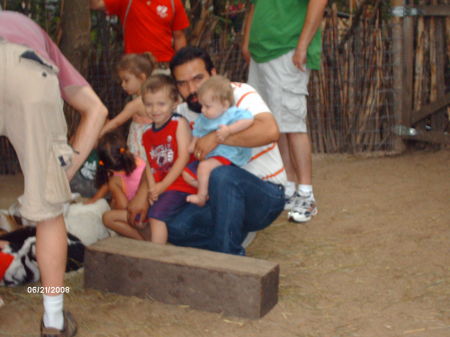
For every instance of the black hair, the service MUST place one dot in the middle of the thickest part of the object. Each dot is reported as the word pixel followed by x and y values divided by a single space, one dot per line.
pixel 190 53
pixel 113 155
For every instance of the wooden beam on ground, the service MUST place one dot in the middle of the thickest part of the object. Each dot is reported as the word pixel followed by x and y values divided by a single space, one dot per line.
pixel 204 280
pixel 429 109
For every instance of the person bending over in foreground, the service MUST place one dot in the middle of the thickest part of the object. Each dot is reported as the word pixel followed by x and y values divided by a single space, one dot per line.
pixel 34 76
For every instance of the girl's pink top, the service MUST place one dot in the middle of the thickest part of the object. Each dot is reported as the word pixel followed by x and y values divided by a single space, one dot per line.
pixel 131 182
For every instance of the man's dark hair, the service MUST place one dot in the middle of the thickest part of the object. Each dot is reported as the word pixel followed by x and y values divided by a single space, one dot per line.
pixel 190 53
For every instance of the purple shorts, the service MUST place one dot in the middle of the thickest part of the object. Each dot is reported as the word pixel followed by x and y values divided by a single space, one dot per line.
pixel 168 205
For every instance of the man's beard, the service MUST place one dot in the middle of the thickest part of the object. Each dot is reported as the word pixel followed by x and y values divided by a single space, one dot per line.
pixel 193 103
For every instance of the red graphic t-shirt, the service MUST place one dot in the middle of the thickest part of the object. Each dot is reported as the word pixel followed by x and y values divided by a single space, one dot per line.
pixel 161 149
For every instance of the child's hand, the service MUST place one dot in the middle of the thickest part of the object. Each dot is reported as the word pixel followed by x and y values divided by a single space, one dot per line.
pixel 152 197
pixel 155 191
pixel 223 132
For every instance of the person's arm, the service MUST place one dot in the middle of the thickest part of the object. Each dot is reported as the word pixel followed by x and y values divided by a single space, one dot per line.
pixel 119 199
pixel 152 196
pixel 97 4
pixel 93 114
pixel 313 19
pixel 263 131
pixel 246 36
pixel 179 39
pixel 225 131
pixel 183 135
pixel 122 117
pixel 192 145
pixel 138 206
pixel 101 193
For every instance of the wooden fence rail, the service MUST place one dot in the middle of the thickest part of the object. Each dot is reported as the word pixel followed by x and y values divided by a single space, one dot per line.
pixel 422 77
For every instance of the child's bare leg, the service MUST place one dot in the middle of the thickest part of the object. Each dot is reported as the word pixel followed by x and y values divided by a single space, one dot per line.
pixel 159 231
pixel 189 179
pixel 203 172
pixel 117 221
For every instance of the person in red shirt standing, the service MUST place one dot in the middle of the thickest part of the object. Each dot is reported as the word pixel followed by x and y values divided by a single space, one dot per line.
pixel 156 26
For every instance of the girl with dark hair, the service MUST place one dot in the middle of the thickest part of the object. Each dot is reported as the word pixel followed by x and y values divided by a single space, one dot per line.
pixel 121 171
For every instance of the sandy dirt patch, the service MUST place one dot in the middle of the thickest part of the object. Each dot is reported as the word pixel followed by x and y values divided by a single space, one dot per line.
pixel 373 263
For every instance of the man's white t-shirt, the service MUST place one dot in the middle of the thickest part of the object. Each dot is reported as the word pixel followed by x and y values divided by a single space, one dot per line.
pixel 266 162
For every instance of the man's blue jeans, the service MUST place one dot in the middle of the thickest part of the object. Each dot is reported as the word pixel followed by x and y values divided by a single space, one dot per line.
pixel 239 203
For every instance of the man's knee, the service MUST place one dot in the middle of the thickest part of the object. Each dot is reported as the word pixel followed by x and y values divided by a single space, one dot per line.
pixel 222 174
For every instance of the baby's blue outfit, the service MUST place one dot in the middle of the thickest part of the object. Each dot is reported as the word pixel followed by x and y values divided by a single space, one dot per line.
pixel 237 155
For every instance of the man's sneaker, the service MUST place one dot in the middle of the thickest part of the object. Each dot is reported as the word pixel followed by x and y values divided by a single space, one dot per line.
pixel 69 329
pixel 304 208
pixel 290 201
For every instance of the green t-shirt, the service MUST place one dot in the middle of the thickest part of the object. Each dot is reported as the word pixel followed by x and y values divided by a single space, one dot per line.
pixel 276 28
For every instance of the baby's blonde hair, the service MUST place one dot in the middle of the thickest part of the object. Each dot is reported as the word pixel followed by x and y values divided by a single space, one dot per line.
pixel 220 89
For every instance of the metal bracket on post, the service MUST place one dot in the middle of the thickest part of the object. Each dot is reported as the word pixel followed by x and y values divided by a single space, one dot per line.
pixel 402 11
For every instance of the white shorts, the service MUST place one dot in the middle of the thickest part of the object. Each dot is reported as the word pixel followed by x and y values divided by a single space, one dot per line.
pixel 284 88
pixel 32 117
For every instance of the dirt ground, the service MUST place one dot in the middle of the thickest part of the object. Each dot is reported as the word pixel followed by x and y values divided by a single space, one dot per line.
pixel 373 263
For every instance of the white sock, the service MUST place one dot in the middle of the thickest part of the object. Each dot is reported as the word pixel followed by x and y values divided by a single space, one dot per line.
pixel 53 311
pixel 305 190
pixel 289 189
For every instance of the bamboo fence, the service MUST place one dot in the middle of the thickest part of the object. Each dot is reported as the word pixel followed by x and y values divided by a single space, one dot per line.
pixel 350 99
pixel 432 50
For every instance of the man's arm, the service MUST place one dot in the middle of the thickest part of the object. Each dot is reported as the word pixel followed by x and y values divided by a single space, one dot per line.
pixel 225 131
pixel 97 4
pixel 263 131
pixel 93 114
pixel 313 19
pixel 246 37
pixel 179 39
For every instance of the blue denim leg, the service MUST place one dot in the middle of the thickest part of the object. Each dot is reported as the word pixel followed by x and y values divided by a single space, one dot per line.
pixel 191 227
pixel 240 203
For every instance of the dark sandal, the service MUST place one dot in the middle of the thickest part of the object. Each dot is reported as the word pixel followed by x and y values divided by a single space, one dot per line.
pixel 69 329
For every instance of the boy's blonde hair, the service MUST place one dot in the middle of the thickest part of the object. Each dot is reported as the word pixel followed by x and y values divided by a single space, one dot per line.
pixel 159 82
pixel 137 64
pixel 220 89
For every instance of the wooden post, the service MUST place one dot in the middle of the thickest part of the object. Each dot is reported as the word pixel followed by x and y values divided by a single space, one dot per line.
pixel 398 81
pixel 408 67
pixel 75 44
pixel 439 119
